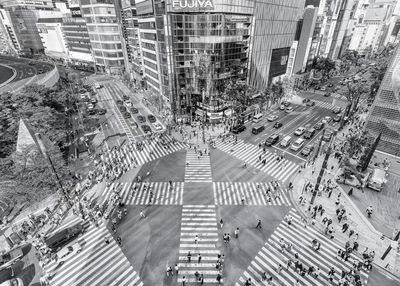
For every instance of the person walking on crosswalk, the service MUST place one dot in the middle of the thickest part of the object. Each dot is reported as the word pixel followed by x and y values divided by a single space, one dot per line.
pixel 237 232
pixel 183 280
pixel 221 223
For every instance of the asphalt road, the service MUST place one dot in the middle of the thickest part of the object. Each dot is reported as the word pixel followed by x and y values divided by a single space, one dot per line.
pixel 5 74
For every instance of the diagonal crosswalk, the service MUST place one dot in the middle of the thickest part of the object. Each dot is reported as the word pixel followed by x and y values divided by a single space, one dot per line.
pixel 232 193
pixel 198 167
pixel 96 264
pixel 198 220
pixel 271 255
pixel 140 193
pixel 153 150
pixel 250 154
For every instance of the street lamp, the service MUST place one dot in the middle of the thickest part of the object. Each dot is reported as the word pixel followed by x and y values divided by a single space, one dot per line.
pixel 204 113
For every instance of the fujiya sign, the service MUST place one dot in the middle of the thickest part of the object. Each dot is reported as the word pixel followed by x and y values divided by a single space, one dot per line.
pixel 181 4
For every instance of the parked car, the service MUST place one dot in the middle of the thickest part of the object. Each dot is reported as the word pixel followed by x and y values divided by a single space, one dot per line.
pixel 239 128
pixel 282 107
pixel 278 125
pixel 134 110
pixel 327 119
pixel 327 94
pixel 128 103
pixel 146 128
pixel 306 151
pixel 93 100
pixel 125 97
pixel 152 118
pixel 157 126
pixel 305 100
pixel 102 111
pixel 272 118
pixel 127 115
pixel 122 108
pixel 59 239
pixel 141 119
pixel 299 131
pixel 286 103
pixel 271 140
pixel 119 102
pixel 310 103
pixel 323 88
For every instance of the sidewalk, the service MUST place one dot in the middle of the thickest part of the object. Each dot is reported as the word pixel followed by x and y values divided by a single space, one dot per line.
pixel 368 236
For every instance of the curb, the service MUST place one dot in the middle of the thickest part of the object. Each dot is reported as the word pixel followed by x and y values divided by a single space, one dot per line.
pixel 11 78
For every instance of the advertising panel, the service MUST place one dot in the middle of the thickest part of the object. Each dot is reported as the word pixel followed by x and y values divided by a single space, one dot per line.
pixel 144 7
pixel 76 12
pixel 279 60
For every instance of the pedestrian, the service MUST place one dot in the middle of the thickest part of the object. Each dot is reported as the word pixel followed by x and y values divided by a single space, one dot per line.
pixel 142 215
pixel 196 239
pixel 219 277
pixel 106 240
pixel 189 257
pixel 183 280
pixel 221 223
pixel 176 269
pixel 289 263
pixel 119 240
pixel 297 283
pixel 369 211
pixel 199 258
pixel 350 193
pixel 237 232
pixel 259 224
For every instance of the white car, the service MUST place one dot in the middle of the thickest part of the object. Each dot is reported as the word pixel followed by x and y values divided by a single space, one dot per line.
pixel 272 118
pixel 128 103
pixel 289 109
pixel 300 131
pixel 282 107
pixel 157 126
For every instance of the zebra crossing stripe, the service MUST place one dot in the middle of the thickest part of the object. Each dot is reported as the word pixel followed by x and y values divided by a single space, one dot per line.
pixel 198 220
pixel 271 255
pixel 95 264
pixel 199 167
pixel 250 153
pixel 231 193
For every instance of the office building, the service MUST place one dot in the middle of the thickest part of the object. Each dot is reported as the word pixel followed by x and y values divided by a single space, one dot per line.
pixel 104 34
pixel 22 16
pixel 190 49
pixel 305 39
pixel 130 36
pixel 77 38
pixel 385 111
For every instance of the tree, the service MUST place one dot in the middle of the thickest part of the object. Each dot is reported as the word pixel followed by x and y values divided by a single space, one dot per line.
pixel 277 92
pixel 325 66
pixel 350 57
pixel 237 93
pixel 354 92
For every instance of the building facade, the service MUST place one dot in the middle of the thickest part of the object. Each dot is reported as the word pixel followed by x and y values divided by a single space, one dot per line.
pixel 191 49
pixel 104 34
pixel 385 111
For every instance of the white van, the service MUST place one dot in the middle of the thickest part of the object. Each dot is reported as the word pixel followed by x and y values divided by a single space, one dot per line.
pixel 257 117
pixel 377 180
pixel 286 141
pixel 297 144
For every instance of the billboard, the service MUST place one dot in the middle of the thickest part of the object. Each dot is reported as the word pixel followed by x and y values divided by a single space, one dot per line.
pixel 190 5
pixel 144 7
pixel 279 60
pixel 75 12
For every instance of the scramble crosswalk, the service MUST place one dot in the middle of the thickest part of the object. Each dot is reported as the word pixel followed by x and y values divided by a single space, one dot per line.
pixel 271 255
pixel 198 220
pixel 198 167
pixel 140 193
pixel 152 150
pixel 250 153
pixel 232 193
pixel 96 264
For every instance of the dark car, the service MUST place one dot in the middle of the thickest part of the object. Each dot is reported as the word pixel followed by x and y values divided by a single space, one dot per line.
pixel 317 87
pixel 337 110
pixel 271 140
pixel 145 128
pixel 102 111
pixel 319 125
pixel 327 94
pixel 127 115
pixel 134 110
pixel 337 118
pixel 239 128
pixel 278 125
pixel 122 108
pixel 310 103
pixel 64 236
pixel 92 111
pixel 307 150
pixel 151 118
pixel 305 100
pixel 119 102
pixel 286 103
pixel 141 119
pixel 125 97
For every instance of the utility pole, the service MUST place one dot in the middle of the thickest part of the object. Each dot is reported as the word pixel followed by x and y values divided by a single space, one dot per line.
pixel 204 114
